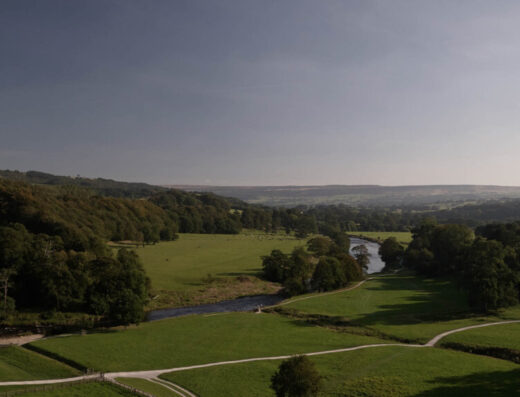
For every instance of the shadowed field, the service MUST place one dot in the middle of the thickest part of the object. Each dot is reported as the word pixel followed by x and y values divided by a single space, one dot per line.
pixel 404 306
pixel 17 363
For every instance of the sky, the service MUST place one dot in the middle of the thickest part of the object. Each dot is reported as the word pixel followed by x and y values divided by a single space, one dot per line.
pixel 263 92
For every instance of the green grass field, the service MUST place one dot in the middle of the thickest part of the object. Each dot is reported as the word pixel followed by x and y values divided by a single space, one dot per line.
pixel 87 389
pixel 402 237
pixel 148 387
pixel 17 363
pixel 404 306
pixel 198 339
pixel 183 264
pixel 388 371
pixel 179 269
pixel 505 336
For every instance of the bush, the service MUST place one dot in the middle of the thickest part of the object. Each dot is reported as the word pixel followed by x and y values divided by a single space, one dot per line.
pixel 296 377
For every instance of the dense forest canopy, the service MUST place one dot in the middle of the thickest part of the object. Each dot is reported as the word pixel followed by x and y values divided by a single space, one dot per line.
pixel 100 186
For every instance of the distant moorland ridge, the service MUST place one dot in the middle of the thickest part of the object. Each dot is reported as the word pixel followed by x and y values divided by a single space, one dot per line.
pixel 366 195
pixel 349 208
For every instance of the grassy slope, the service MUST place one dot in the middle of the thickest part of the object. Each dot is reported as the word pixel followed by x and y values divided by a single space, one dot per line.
pixel 389 371
pixel 404 306
pixel 17 363
pixel 196 340
pixel 148 387
pixel 506 336
pixel 403 237
pixel 182 264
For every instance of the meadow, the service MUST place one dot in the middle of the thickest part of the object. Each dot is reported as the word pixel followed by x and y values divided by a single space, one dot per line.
pixel 196 340
pixel 403 238
pixel 207 268
pixel 406 307
pixel 374 372
pixel 183 264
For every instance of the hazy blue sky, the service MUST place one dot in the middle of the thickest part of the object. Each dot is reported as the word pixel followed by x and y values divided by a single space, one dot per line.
pixel 262 92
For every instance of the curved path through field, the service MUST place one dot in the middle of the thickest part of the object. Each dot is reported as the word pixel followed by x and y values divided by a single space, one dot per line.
pixel 286 302
pixel 431 343
pixel 437 338
pixel 153 374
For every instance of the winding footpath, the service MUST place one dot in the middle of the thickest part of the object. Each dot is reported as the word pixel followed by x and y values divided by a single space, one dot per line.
pixel 153 375
pixel 157 372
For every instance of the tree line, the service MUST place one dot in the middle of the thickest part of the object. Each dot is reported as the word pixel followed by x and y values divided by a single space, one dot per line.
pixel 486 262
pixel 405 218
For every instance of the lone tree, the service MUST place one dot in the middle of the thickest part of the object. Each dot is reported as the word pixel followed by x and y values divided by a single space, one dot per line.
pixel 362 255
pixel 296 377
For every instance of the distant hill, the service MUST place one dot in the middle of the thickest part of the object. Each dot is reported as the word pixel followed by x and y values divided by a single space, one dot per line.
pixel 101 186
pixel 360 195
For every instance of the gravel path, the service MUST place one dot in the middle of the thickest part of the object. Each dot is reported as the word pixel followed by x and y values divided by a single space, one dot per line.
pixel 454 331
pixel 19 340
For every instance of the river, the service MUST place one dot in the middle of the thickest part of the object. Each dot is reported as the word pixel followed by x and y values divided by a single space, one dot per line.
pixel 375 264
pixel 244 304
pixel 249 303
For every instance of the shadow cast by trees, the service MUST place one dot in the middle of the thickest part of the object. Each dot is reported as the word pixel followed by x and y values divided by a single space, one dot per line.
pixel 497 383
pixel 433 301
